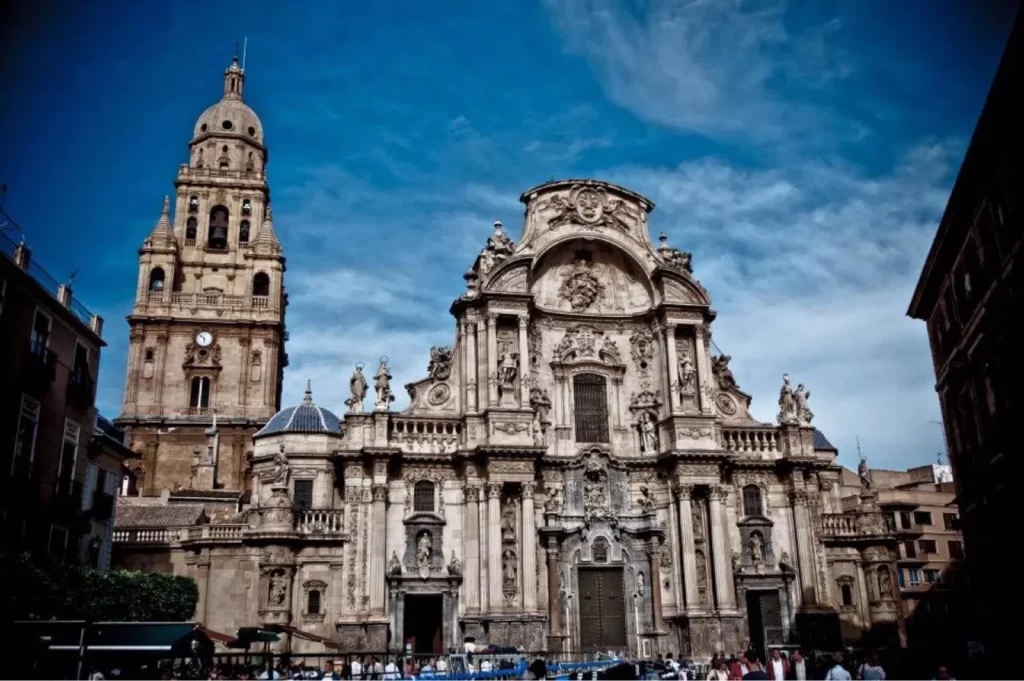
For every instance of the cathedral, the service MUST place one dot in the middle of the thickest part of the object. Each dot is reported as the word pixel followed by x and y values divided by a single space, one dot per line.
pixel 578 470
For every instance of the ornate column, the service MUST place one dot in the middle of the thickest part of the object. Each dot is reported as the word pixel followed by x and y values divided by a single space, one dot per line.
pixel 704 376
pixel 720 549
pixel 554 608
pixel 673 367
pixel 377 548
pixel 524 363
pixel 529 544
pixel 654 579
pixel 471 382
pixel 494 545
pixel 480 372
pixel 804 546
pixel 684 493
pixel 492 359
pixel 471 548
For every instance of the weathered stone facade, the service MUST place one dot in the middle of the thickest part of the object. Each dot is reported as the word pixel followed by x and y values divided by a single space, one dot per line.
pixel 577 471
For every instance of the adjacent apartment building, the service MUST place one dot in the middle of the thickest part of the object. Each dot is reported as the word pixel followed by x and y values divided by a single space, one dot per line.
pixel 60 464
pixel 971 297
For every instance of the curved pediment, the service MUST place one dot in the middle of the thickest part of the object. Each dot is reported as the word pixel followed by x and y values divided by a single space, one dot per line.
pixel 510 277
pixel 679 289
pixel 590 276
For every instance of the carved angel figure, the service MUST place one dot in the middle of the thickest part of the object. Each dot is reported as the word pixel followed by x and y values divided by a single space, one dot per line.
pixel 648 433
pixel 394 565
pixel 646 501
pixel 357 388
pixel 721 370
pixel 280 468
pixel 440 367
pixel 553 504
pixel 382 384
pixel 785 561
pixel 687 374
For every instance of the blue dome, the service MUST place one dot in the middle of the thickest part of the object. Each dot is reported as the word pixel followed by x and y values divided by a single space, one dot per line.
pixel 302 418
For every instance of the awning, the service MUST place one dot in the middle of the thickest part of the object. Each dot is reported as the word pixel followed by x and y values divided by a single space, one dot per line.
pixel 216 635
pixel 308 635
pixel 183 639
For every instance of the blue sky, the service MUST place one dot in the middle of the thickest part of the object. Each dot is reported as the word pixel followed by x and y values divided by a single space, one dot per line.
pixel 802 151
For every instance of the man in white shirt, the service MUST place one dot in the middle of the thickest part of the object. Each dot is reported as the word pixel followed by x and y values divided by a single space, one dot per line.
pixel 357 669
pixel 798 665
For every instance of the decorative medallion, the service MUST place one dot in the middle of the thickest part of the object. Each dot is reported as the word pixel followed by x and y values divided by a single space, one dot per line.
pixel 439 394
pixel 726 404
pixel 581 286
pixel 590 207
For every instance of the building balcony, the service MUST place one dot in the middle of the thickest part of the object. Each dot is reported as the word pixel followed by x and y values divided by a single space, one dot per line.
pixel 207 301
pixel 756 439
pixel 80 389
pixel 322 522
pixel 914 530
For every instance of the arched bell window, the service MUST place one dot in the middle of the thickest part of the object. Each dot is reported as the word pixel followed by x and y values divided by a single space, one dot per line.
pixel 246 207
pixel 193 204
pixel 261 284
pixel 423 497
pixel 752 502
pixel 217 236
pixel 156 279
pixel 243 232
pixel 191 227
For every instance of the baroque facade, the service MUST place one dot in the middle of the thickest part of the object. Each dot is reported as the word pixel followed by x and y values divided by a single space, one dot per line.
pixel 206 339
pixel 576 471
pixel 971 297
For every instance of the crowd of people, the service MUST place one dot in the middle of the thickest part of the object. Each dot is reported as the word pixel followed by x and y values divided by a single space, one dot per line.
pixel 780 664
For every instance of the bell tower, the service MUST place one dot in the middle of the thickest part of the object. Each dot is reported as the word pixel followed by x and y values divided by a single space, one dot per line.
pixel 206 340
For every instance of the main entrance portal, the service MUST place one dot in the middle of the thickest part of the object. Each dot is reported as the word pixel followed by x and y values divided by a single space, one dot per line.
pixel 422 623
pixel 764 619
pixel 602 609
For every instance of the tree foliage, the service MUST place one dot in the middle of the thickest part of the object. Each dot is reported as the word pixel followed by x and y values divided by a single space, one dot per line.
pixel 48 591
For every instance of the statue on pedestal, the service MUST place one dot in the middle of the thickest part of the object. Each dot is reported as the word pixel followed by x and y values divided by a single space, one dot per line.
pixel 280 468
pixel 357 387
pixel 382 384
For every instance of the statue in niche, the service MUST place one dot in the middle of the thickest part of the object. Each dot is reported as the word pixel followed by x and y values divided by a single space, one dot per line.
pixel 455 566
pixel 357 388
pixel 736 561
pixel 508 523
pixel 787 405
pixel 865 474
pixel 581 286
pixel 687 375
pixel 538 430
pixel 382 384
pixel 509 570
pixel 394 565
pixel 720 368
pixel 553 504
pixel 508 368
pixel 280 468
pixel 640 588
pixel 423 549
pixel 278 588
pixel 594 500
pixel 756 548
pixel 646 501
pixel 804 414
pixel 648 433
pixel 884 583
pixel 785 561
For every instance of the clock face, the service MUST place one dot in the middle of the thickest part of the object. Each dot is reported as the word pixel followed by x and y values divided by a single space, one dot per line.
pixel 204 338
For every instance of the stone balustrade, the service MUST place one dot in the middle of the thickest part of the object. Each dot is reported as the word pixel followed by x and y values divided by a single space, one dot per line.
pixel 839 525
pixel 325 521
pixel 186 171
pixel 163 535
pixel 427 436
pixel 218 301
pixel 757 439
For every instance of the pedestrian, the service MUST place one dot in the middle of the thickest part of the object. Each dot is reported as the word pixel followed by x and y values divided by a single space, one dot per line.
pixel 871 670
pixel 942 673
pixel 797 667
pixel 778 666
pixel 838 671
pixel 738 667
pixel 719 670
pixel 757 672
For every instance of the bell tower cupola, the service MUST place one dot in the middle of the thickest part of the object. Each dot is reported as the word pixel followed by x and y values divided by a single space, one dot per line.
pixel 234 78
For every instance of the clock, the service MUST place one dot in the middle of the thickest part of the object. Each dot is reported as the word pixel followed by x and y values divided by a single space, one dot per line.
pixel 204 339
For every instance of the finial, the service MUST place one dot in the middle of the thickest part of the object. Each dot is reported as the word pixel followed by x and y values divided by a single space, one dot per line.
pixel 234 57
pixel 663 238
pixel 497 225
pixel 859 454
pixel 167 205
pixel 308 399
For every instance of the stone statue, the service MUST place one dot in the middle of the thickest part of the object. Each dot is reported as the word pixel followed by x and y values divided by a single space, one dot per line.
pixel 278 588
pixel 382 384
pixel 736 561
pixel 594 500
pixel 394 565
pixel 785 561
pixel 787 405
pixel 687 375
pixel 884 583
pixel 553 504
pixel 538 430
pixel 865 474
pixel 357 387
pixel 508 523
pixel 499 247
pixel 720 368
pixel 640 589
pixel 280 468
pixel 423 548
pixel 440 366
pixel 455 566
pixel 509 569
pixel 646 501
pixel 508 368
pixel 756 548
pixel 803 412
pixel 648 433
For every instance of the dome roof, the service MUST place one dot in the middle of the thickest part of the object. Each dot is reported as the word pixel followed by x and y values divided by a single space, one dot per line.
pixel 302 418
pixel 230 116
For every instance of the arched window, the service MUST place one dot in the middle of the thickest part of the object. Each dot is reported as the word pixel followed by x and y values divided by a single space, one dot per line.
pixel 590 399
pixel 199 396
pixel 752 504
pixel 600 550
pixel 217 236
pixel 847 593
pixel 313 602
pixel 243 232
pixel 224 161
pixel 191 227
pixel 156 279
pixel 423 497
pixel 261 284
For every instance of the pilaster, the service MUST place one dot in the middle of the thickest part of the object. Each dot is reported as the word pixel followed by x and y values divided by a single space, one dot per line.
pixel 492 359
pixel 673 367
pixel 494 545
pixel 684 494
pixel 529 543
pixel 721 560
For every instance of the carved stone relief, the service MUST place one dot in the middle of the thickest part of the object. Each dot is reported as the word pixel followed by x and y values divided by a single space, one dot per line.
pixel 582 284
pixel 590 207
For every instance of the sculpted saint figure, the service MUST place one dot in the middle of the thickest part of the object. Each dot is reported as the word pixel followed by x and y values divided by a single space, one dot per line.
pixel 394 565
pixel 756 548
pixel 382 384
pixel 787 405
pixel 687 374
pixel 455 566
pixel 280 467
pixel 646 502
pixel 357 388
pixel 864 473
pixel 648 433
pixel 507 370
pixel 804 413
pixel 884 583
pixel 278 588
pixel 423 548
